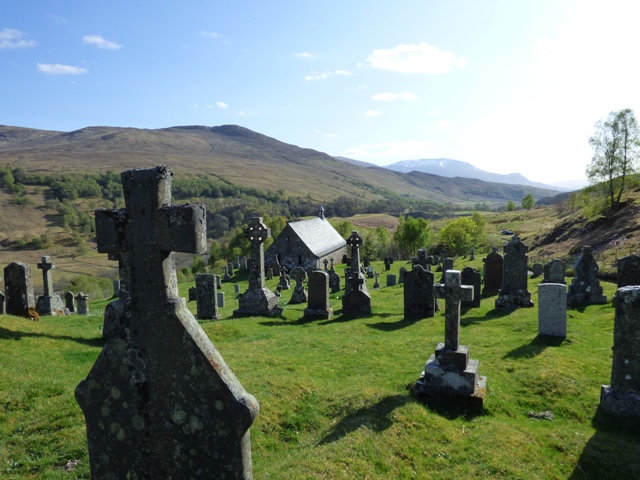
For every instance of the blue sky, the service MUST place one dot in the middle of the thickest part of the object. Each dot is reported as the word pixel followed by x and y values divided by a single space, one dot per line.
pixel 508 86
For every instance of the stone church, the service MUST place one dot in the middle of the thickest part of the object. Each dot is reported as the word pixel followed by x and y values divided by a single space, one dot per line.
pixel 306 244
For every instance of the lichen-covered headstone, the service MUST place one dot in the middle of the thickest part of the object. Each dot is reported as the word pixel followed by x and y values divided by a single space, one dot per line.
pixel 83 303
pixel 470 276
pixel 585 288
pixel 628 271
pixel 622 397
pixel 553 272
pixel 206 297
pixel 514 292
pixel 299 294
pixel 18 289
pixel 552 310
pixel 334 281
pixel 160 401
pixel 221 302
pixel 356 298
pixel 193 294
pixel 537 270
pixel 318 305
pixel 392 280
pixel 493 272
pixel 418 293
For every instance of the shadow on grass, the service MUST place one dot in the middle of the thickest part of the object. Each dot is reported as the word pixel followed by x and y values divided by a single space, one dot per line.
pixel 490 315
pixel 375 417
pixel 393 326
pixel 535 347
pixel 12 335
pixel 613 451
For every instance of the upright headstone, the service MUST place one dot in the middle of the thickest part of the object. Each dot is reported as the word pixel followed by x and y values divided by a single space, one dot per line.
pixel 227 277
pixel 553 272
pixel 622 397
pixel 366 262
pixel 318 306
pixel 422 258
pixel 450 371
pixel 326 265
pixel 537 270
pixel 243 263
pixel 628 271
pixel 285 281
pixel 387 266
pixel 160 401
pixel 218 282
pixel 447 264
pixel 514 292
pixel 418 293
pixel 585 288
pixel 221 302
pixel 402 274
pixel 258 299
pixel 552 309
pixel 49 303
pixel 276 269
pixel 493 273
pixel 356 298
pixel 470 276
pixel 370 271
pixel 116 288
pixel 236 288
pixel 236 264
pixel 269 273
pixel 299 294
pixel 376 283
pixel 2 302
pixel 334 281
pixel 473 254
pixel 193 294
pixel 18 289
pixel 206 297
pixel 70 301
pixel 83 304
pixel 392 280
pixel 230 269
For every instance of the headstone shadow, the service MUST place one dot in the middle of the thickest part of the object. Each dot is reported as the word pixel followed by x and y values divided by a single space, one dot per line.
pixel 6 334
pixel 393 326
pixel 375 417
pixel 535 347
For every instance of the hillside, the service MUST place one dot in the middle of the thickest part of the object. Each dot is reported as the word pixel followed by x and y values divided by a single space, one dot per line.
pixel 237 155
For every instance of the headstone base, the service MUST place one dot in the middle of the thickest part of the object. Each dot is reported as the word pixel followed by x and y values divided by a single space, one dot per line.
pixel 440 378
pixel 577 299
pixel 49 305
pixel 626 404
pixel 356 301
pixel 447 398
pixel 257 302
pixel 322 313
pixel 512 301
pixel 298 297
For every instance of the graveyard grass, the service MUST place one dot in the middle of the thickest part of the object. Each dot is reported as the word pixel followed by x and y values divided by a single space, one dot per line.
pixel 334 398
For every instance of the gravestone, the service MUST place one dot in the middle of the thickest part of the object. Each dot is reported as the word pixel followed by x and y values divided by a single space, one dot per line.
pixel 218 281
pixel 236 262
pixel 628 271
pixel 392 280
pixel 221 302
pixel 622 397
pixel 450 371
pixel 376 283
pixel 585 288
pixel 387 266
pixel 2 302
pixel 193 294
pixel 269 273
pixel 243 263
pixel 160 401
pixel 365 262
pixel 285 281
pixel 418 293
pixel 116 288
pixel 299 294
pixel 226 277
pixel 356 298
pixel 514 292
pixel 318 306
pixel 206 297
pixel 553 272
pixel 230 269
pixel 326 265
pixel 492 273
pixel 470 276
pixel 473 254
pixel 552 310
pixel 402 274
pixel 258 299
pixel 236 288
pixel 537 270
pixel 447 264
pixel 422 258
pixel 334 281
pixel 49 303
pixel 83 303
pixel 370 271
pixel 70 302
pixel 18 289
pixel 276 269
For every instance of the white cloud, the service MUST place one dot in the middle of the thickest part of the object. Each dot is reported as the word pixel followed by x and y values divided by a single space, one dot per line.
pixel 542 47
pixel 304 55
pixel 388 96
pixel 212 35
pixel 242 114
pixel 420 58
pixel 343 72
pixel 391 151
pixel 11 38
pixel 100 42
pixel 371 113
pixel 364 86
pixel 221 105
pixel 317 76
pixel 57 69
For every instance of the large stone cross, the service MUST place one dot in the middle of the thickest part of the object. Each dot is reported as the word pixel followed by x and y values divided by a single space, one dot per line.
pixel 257 232
pixel 453 293
pixel 355 242
pixel 160 401
pixel 46 266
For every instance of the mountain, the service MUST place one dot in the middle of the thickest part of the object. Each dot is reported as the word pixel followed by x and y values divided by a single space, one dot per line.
pixel 238 155
pixel 445 167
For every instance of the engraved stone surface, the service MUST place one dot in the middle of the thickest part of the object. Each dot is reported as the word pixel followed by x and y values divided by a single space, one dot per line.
pixel 629 271
pixel 552 309
pixel 585 288
pixel 470 276
pixel 299 294
pixel 206 297
pixel 418 293
pixel 514 292
pixel 318 306
pixel 553 272
pixel 18 289
pixel 356 298
pixel 493 273
pixel 83 303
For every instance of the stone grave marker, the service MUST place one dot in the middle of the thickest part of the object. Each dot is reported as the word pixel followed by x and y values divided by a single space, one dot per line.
pixel 299 294
pixel 221 302
pixel 18 289
pixel 470 276
pixel 585 288
pixel 447 264
pixel 370 271
pixel 366 262
pixel 387 266
pixel 376 283
pixel 269 273
pixel 392 280
pixel 326 265
pixel 553 272
pixel 628 271
pixel 160 402
pixel 230 269
pixel 193 294
pixel 285 281
pixel 116 288
pixel 537 270
pixel 236 288
pixel 334 281
pixel 206 297
pixel 514 292
pixel 243 263
pixel 473 254
pixel 83 303
pixel 402 274
pixel 552 309
pixel 318 306
pixel 276 269
pixel 236 264
pixel 70 302
pixel 356 298
pixel 418 293
pixel 2 303
pixel 622 397
pixel 218 281
pixel 258 299
pixel 49 303
pixel 226 277
pixel 450 371
pixel 493 273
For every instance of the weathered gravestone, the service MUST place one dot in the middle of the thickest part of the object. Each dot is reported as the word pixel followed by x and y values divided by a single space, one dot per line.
pixel 628 271
pixel 18 289
pixel 206 297
pixel 236 264
pixel 450 371
pixel 236 288
pixel 83 304
pixel 622 397
pixel 243 263
pixel 285 281
pixel 370 271
pixel 2 302
pixel 402 274
pixel 326 265
pixel 269 273
pixel 299 294
pixel 537 270
pixel 70 302
pixel 193 294
pixel 470 276
pixel 230 269
pixel 473 254
pixel 376 283
pixel 221 302
pixel 334 281
pixel 318 306
pixel 553 272
pixel 116 288
pixel 418 293
pixel 226 277
pixel 258 299
pixel 392 280
pixel 514 292
pixel 552 310
pixel 447 264
pixel 585 288
pixel 493 272
pixel 160 402
pixel 49 303
pixel 356 298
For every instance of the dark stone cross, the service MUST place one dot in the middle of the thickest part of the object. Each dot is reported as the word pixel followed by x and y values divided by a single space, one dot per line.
pixel 46 266
pixel 454 293
pixel 356 298
pixel 160 401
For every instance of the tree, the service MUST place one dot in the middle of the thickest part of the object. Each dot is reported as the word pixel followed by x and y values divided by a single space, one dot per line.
pixel 528 201
pixel 511 206
pixel 615 153
pixel 412 234
pixel 459 235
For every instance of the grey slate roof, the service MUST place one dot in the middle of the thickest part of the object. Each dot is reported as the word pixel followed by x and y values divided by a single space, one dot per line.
pixel 318 235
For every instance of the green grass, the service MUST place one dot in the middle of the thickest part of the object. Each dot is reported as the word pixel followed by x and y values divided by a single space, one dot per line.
pixel 334 399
